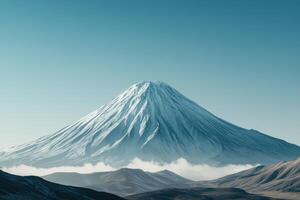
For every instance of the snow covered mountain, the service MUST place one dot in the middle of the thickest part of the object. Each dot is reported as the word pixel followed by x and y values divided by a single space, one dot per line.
pixel 154 122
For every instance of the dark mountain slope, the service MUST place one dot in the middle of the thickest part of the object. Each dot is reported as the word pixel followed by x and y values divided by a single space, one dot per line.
pixel 198 194
pixel 34 188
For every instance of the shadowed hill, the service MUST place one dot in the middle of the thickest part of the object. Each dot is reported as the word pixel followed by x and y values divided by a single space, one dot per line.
pixel 34 188
pixel 198 194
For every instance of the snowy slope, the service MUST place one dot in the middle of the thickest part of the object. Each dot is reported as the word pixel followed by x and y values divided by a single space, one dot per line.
pixel 152 121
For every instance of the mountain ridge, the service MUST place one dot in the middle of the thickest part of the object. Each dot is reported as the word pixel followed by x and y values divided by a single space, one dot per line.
pixel 121 182
pixel 282 177
pixel 280 180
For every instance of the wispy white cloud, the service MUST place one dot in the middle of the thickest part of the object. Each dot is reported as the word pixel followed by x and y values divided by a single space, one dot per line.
pixel 25 170
pixel 180 167
pixel 186 169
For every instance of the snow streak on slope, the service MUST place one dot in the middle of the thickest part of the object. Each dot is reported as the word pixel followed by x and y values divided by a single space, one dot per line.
pixel 154 122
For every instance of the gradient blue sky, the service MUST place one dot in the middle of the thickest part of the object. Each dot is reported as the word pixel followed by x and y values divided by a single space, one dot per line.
pixel 59 60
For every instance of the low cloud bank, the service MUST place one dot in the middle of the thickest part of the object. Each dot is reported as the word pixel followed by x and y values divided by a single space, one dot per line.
pixel 187 170
pixel 180 167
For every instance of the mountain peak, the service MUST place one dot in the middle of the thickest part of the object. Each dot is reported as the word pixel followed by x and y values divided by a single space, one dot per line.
pixel 155 93
pixel 149 84
pixel 148 87
pixel 153 83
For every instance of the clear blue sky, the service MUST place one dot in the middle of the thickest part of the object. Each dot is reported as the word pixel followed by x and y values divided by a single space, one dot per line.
pixel 59 60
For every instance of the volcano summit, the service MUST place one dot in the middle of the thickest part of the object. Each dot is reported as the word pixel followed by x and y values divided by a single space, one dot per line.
pixel 154 122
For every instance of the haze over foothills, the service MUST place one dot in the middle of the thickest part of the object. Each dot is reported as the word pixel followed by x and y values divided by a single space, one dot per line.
pixel 61 60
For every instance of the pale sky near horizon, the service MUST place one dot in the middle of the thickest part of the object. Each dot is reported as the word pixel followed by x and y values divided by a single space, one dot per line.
pixel 60 60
